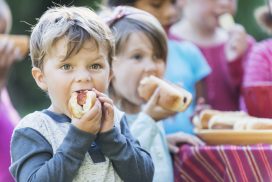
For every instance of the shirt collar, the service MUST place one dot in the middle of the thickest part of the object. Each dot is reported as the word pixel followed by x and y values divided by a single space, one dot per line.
pixel 60 118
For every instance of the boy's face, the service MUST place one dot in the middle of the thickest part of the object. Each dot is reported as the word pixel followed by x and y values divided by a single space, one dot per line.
pixel 135 62
pixel 85 70
pixel 164 10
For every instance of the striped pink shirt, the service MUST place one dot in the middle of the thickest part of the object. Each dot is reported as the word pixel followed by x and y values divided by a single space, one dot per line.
pixel 259 64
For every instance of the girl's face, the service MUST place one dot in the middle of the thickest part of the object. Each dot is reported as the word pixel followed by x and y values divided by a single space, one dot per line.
pixel 205 13
pixel 134 63
pixel 164 10
pixel 87 69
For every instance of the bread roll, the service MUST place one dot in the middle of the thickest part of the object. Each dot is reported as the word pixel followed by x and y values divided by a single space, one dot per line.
pixel 226 21
pixel 81 102
pixel 241 124
pixel 224 121
pixel 20 41
pixel 171 98
pixel 206 115
pixel 258 124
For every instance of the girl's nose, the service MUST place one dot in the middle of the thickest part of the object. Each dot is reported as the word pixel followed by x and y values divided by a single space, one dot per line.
pixel 83 75
pixel 150 68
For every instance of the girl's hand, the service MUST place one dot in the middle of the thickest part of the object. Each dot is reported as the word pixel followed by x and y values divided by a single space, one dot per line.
pixel 154 110
pixel 237 43
pixel 107 111
pixel 90 121
pixel 8 55
pixel 176 139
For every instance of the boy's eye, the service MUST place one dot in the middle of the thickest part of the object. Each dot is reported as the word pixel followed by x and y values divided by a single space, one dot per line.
pixel 96 66
pixel 137 57
pixel 66 67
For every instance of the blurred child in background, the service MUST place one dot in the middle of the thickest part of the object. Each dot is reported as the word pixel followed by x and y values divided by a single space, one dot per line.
pixel 8 116
pixel 224 50
pixel 185 64
pixel 259 64
pixel 141 51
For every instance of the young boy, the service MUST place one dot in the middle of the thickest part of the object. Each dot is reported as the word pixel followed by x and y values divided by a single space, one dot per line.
pixel 72 50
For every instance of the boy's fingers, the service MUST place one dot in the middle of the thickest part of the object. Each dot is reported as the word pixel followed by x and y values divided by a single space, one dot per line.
pixel 105 100
pixel 108 110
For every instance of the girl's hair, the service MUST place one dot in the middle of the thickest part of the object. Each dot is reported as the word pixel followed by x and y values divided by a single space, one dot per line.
pixel 5 15
pixel 120 2
pixel 264 18
pixel 125 20
pixel 77 24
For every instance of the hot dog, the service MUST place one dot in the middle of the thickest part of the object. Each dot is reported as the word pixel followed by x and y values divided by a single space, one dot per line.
pixel 81 102
pixel 170 97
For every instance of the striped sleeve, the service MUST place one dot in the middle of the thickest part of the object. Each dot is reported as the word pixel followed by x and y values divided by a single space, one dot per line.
pixel 259 65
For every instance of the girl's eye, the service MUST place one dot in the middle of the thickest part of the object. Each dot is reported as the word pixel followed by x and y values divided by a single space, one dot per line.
pixel 96 66
pixel 138 57
pixel 66 67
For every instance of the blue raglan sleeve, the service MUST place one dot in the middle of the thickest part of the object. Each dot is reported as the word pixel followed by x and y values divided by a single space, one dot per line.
pixel 131 162
pixel 33 158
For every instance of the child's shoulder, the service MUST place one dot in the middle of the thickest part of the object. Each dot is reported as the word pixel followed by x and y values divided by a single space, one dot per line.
pixel 32 120
pixel 183 48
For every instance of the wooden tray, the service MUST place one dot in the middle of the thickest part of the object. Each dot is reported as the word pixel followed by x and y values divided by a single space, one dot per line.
pixel 235 137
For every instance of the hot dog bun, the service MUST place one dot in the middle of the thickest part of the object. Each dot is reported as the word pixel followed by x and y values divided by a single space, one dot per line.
pixel 81 102
pixel 20 41
pixel 171 98
pixel 258 124
pixel 226 21
pixel 207 119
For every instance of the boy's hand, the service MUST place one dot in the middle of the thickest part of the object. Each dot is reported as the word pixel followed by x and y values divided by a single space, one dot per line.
pixel 237 43
pixel 176 139
pixel 90 121
pixel 107 111
pixel 154 110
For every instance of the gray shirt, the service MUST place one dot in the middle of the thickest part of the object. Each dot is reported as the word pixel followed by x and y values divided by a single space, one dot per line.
pixel 47 147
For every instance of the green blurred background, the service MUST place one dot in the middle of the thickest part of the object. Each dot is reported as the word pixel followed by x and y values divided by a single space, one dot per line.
pixel 26 96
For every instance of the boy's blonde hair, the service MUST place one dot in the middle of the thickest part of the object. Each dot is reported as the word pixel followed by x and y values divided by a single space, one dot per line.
pixel 78 24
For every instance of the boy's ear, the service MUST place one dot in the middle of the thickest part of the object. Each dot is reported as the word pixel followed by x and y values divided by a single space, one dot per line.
pixel 39 78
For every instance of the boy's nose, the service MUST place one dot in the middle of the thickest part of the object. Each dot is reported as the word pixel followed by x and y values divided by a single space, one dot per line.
pixel 83 76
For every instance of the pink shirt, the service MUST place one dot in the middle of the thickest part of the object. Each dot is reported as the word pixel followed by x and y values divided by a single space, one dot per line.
pixel 223 84
pixel 8 119
pixel 259 64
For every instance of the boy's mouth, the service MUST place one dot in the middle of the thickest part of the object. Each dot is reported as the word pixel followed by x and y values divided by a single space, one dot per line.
pixel 82 90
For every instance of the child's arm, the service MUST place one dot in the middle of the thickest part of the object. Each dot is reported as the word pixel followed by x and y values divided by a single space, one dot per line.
pixel 33 158
pixel 144 128
pixel 237 49
pixel 130 161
